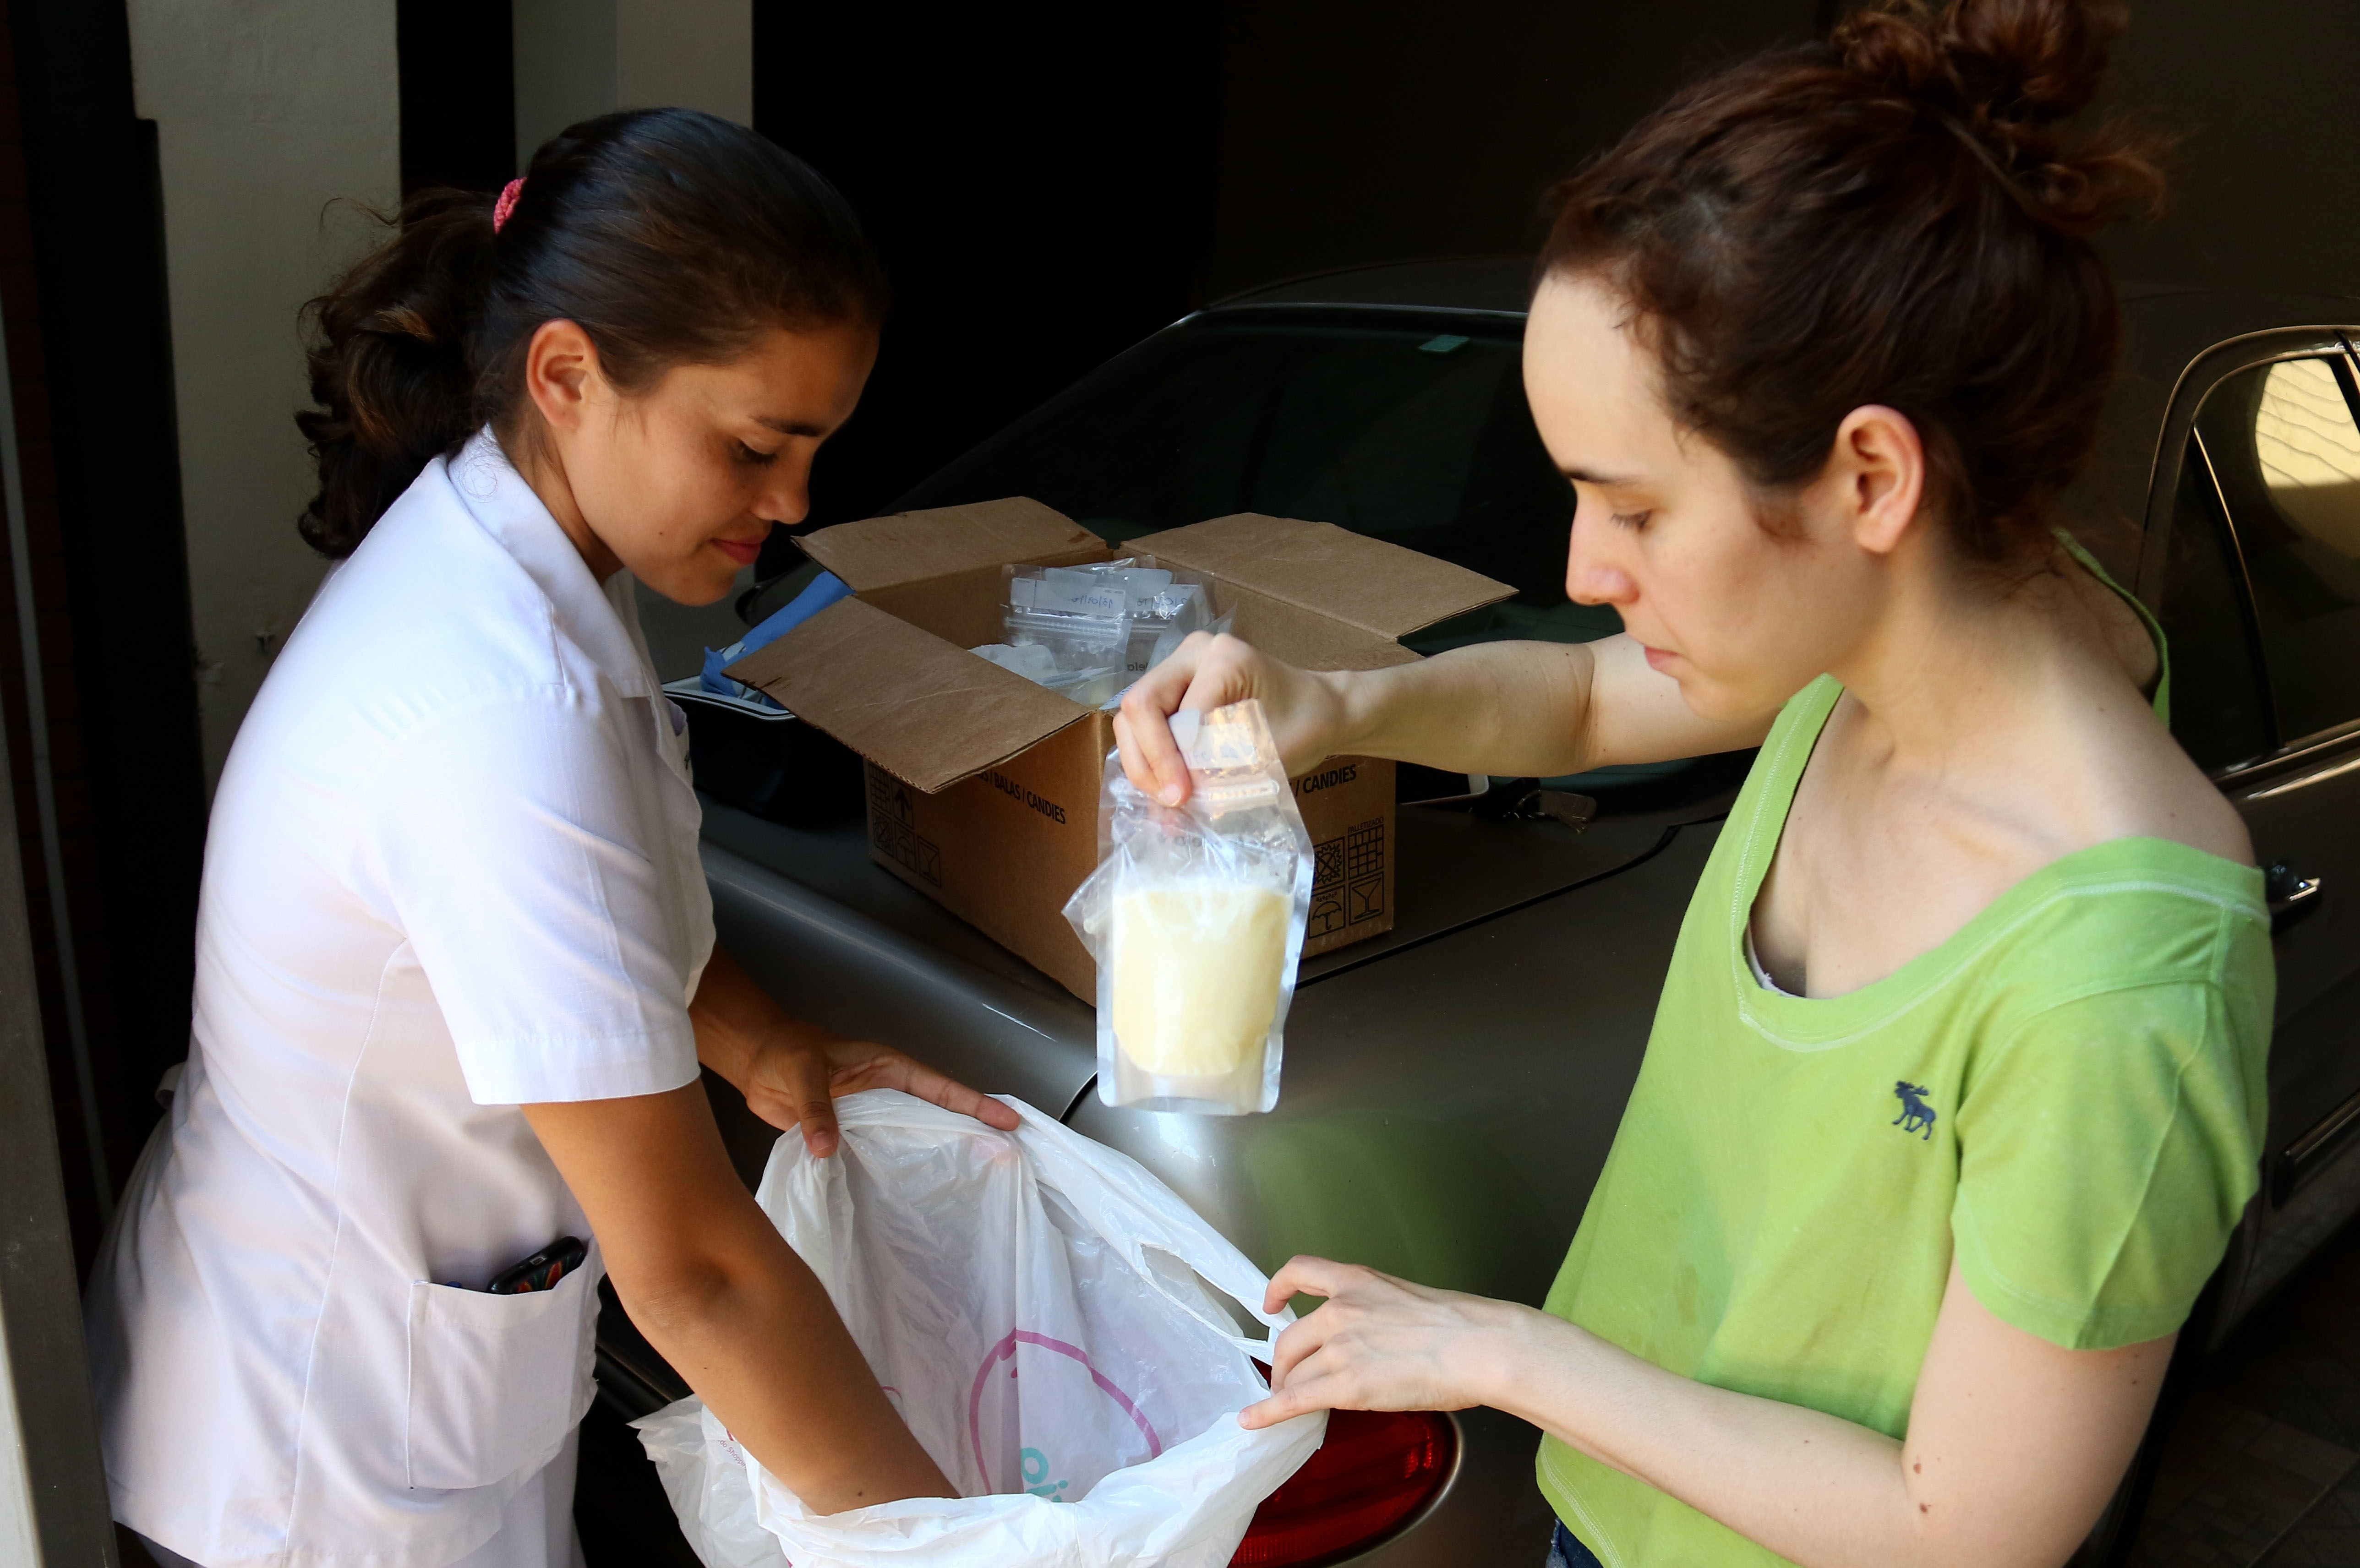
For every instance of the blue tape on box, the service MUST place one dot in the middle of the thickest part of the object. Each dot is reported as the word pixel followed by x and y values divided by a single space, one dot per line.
pixel 826 589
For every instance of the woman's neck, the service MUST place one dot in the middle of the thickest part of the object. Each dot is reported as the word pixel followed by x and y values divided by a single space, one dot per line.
pixel 1964 655
pixel 538 463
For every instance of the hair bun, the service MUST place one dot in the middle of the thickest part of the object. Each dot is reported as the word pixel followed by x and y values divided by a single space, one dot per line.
pixel 2004 74
pixel 1896 216
pixel 2023 62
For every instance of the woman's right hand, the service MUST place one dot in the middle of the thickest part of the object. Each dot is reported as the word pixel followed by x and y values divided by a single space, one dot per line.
pixel 1304 708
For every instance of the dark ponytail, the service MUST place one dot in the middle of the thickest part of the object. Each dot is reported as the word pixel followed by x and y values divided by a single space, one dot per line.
pixel 389 364
pixel 1900 216
pixel 668 236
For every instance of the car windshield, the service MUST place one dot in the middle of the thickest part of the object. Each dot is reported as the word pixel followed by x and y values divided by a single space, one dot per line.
pixel 1410 429
pixel 1406 432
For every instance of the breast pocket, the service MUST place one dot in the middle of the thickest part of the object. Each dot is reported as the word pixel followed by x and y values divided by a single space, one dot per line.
pixel 496 1382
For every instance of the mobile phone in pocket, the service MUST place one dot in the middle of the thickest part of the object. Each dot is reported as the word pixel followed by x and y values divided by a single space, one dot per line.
pixel 542 1269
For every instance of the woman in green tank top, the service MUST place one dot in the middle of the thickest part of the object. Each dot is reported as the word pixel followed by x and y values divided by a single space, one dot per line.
pixel 1955 1091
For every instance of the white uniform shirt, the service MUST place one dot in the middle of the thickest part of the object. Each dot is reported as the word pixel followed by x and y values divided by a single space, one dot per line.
pixel 452 869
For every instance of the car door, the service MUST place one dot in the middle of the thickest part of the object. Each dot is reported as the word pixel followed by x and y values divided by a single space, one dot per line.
pixel 2259 498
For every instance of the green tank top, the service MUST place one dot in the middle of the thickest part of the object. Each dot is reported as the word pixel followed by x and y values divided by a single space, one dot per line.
pixel 2068 1096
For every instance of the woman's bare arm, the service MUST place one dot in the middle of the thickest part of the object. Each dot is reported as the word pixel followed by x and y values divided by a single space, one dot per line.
pixel 1516 709
pixel 705 1275
pixel 2014 1444
pixel 725 1299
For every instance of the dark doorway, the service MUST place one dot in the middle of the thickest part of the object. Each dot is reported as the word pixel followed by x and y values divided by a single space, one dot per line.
pixel 98 682
pixel 457 59
pixel 1039 180
pixel 1051 184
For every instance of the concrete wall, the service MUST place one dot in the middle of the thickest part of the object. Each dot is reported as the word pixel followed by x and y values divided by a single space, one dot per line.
pixel 267 112
pixel 17 1541
pixel 266 109
pixel 579 57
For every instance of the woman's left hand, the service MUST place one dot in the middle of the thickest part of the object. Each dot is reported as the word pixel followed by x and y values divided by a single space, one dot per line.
pixel 795 1076
pixel 791 1070
pixel 1381 1344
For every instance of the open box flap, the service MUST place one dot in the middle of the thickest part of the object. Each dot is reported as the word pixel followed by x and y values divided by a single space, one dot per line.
pixel 1367 583
pixel 926 712
pixel 907 546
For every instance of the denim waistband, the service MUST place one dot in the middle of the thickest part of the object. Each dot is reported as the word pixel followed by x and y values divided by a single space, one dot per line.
pixel 1566 1551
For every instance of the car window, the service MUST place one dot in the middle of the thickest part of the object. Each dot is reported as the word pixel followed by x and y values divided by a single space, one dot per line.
pixel 2284 443
pixel 1419 437
pixel 2219 711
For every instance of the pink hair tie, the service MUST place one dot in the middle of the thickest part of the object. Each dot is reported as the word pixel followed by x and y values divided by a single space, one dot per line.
pixel 506 203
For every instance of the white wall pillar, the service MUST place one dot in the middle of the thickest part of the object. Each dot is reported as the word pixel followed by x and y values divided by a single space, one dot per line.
pixel 267 111
pixel 579 57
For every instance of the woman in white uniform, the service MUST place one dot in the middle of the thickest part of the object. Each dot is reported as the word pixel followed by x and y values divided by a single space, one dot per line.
pixel 455 972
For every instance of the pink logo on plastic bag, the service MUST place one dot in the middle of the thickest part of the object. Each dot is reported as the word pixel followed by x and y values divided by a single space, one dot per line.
pixel 1006 1351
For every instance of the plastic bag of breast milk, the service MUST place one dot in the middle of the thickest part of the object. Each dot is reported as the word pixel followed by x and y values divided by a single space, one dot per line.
pixel 1053 1324
pixel 1196 916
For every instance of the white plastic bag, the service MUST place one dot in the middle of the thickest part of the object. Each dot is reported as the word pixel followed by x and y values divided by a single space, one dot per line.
pixel 1032 1305
pixel 1196 916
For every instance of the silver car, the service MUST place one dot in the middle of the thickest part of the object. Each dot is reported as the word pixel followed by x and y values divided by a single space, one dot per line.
pixel 1452 1086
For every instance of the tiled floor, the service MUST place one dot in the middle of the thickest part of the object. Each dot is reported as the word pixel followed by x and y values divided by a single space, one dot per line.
pixel 2262 1467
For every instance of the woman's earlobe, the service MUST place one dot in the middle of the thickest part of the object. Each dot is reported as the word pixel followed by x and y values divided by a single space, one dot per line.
pixel 1885 463
pixel 560 368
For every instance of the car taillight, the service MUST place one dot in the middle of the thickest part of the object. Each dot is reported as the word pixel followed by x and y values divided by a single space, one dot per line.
pixel 1376 1469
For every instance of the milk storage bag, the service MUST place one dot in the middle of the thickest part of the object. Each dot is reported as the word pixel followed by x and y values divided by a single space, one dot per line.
pixel 1196 916
pixel 1054 1325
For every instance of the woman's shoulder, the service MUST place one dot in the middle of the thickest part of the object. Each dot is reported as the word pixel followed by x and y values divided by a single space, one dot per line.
pixel 429 611
pixel 2126 835
pixel 2131 915
pixel 2136 781
pixel 2130 780
pixel 2086 758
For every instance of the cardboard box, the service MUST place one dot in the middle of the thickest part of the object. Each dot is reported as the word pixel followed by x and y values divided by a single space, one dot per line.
pixel 983 787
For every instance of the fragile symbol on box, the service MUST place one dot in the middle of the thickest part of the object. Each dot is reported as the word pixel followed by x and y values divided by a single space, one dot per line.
pixel 1348 879
pixel 890 828
pixel 1364 867
pixel 1327 889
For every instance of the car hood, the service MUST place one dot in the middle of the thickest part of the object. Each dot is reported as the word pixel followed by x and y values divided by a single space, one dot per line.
pixel 842 942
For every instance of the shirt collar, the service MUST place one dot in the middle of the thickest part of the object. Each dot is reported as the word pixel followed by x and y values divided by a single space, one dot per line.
pixel 603 622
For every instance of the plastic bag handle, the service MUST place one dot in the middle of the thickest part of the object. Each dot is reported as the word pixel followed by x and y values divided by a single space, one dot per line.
pixel 1262 1350
pixel 1142 1226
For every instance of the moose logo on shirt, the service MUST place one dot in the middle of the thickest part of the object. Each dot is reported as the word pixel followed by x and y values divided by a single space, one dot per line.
pixel 1916 1116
